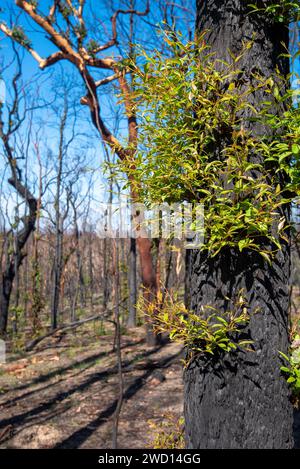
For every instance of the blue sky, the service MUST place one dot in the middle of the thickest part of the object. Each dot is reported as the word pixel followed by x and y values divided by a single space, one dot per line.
pixel 46 87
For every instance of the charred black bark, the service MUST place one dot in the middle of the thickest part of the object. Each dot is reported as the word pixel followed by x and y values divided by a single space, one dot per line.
pixel 241 400
pixel 187 279
pixel 58 261
pixel 132 283
pixel 6 289
pixel 14 257
pixel 13 262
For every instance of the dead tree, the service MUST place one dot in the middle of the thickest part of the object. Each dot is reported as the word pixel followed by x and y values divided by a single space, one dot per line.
pixel 74 45
pixel 60 217
pixel 15 254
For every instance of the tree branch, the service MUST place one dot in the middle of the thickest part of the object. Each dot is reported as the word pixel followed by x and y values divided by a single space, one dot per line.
pixel 61 42
pixel 114 41
pixel 91 100
pixel 52 11
pixel 52 59
pixel 107 80
pixel 43 63
pixel 82 60
pixel 9 33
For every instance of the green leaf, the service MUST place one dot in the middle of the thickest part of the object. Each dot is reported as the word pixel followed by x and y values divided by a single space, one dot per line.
pixel 223 346
pixel 222 320
pixel 284 356
pixel 266 256
pixel 291 379
pixel 285 369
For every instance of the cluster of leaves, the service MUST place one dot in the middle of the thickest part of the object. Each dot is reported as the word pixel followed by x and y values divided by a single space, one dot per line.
pixel 92 46
pixel 33 3
pixel 197 144
pixel 20 37
pixel 283 11
pixel 80 29
pixel 168 434
pixel 65 9
pixel 204 333
pixel 292 368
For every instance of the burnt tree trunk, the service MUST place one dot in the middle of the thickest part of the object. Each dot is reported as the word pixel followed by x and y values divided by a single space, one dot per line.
pixel 241 399
pixel 80 283
pixel 57 268
pixel 14 259
pixel 14 262
pixel 58 262
pixel 6 289
pixel 132 283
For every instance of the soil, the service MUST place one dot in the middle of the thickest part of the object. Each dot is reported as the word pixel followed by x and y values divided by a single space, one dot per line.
pixel 64 394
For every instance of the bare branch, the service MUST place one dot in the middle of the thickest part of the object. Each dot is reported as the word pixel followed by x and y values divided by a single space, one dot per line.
pixel 114 18
pixel 52 11
pixel 80 8
pixel 106 135
pixel 43 63
pixel 9 33
pixel 108 63
pixel 107 80
pixel 82 59
pixel 52 59
pixel 61 42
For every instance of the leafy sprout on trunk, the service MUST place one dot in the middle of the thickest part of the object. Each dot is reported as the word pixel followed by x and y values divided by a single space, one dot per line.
pixel 206 332
pixel 195 115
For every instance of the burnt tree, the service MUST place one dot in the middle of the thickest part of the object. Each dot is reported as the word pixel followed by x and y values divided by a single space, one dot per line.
pixel 18 236
pixel 241 399
pixel 60 217
pixel 72 45
pixel 132 283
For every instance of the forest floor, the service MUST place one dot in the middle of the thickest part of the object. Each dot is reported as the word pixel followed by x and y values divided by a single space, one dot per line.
pixel 64 394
